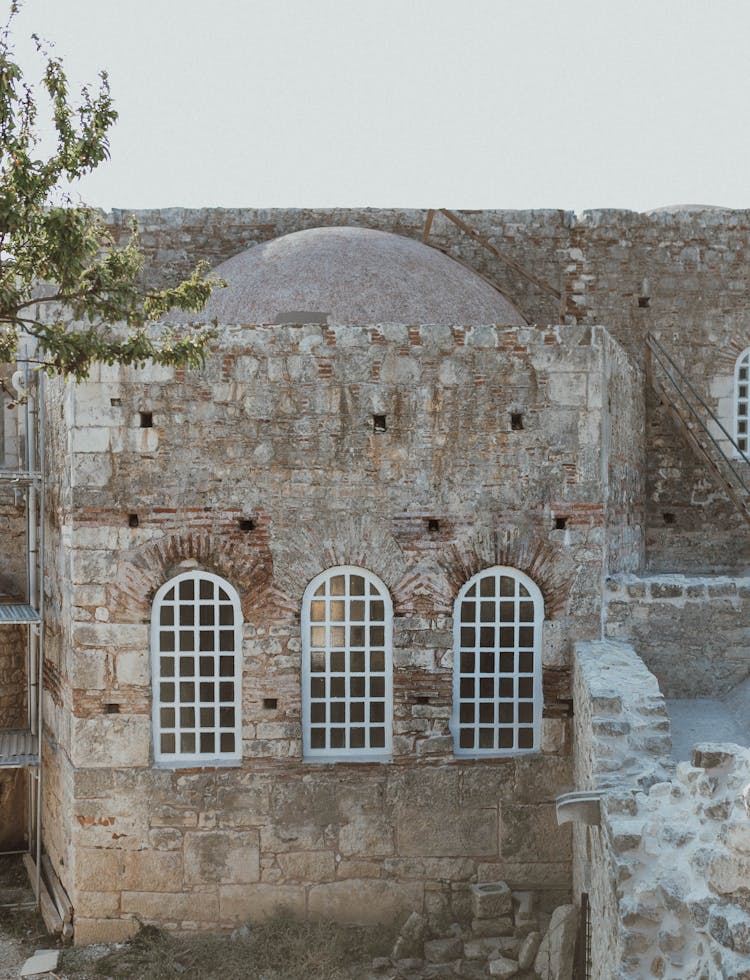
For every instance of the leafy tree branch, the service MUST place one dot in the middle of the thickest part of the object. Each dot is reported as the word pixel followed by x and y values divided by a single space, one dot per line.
pixel 63 280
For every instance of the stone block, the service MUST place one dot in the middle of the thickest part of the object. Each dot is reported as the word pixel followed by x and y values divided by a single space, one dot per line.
pixel 443 950
pixel 256 902
pixel 132 870
pixel 529 949
pixel 501 925
pixel 364 901
pixel 554 960
pixel 93 905
pixel 445 832
pixel 308 866
pixel 199 906
pixel 488 947
pixel 111 740
pixel 222 856
pixel 503 967
pixel 531 833
pixel 491 899
pixel 366 834
pixel 89 931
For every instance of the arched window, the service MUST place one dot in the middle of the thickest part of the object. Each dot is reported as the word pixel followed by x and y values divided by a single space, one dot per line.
pixel 196 654
pixel 741 401
pixel 497 688
pixel 346 667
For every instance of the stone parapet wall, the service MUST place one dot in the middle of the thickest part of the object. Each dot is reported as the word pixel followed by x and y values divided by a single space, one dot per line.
pixel 621 741
pixel 667 869
pixel 682 276
pixel 692 631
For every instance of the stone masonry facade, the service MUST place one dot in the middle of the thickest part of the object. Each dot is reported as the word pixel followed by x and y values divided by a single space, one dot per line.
pixel 424 454
pixel 357 841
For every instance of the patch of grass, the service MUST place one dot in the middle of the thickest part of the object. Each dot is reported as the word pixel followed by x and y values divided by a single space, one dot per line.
pixel 282 948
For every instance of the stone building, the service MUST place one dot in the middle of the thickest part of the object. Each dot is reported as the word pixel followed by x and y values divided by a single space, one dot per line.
pixel 452 524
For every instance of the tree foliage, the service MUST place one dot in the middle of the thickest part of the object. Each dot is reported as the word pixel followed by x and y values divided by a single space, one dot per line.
pixel 63 280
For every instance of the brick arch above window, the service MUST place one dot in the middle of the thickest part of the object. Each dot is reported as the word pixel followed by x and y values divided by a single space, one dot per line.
pixel 497 674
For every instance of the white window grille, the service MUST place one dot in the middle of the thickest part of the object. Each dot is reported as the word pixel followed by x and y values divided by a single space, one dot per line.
pixel 196 644
pixel 497 688
pixel 742 401
pixel 347 697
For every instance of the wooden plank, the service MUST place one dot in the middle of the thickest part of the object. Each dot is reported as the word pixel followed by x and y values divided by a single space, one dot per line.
pixel 467 229
pixel 51 916
pixel 30 865
pixel 428 224
pixel 58 893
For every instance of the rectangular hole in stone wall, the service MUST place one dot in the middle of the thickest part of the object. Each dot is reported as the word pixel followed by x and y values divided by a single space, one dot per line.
pixel 147 419
pixel 379 423
pixel 111 709
pixel 115 402
pixel 669 518
pixel 561 523
pixel 516 421
pixel 433 525
pixel 246 524
pixel 270 704
pixel 644 302
pixel 422 699
pixel 132 520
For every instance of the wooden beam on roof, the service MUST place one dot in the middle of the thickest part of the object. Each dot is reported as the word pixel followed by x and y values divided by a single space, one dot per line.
pixel 468 230
pixel 428 224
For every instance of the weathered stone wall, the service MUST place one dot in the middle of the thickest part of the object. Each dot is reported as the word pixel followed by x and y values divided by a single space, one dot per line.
pixel 621 741
pixel 682 276
pixel 667 870
pixel 622 457
pixel 692 632
pixel 278 429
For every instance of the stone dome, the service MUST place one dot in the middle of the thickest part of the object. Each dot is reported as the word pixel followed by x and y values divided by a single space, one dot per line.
pixel 355 276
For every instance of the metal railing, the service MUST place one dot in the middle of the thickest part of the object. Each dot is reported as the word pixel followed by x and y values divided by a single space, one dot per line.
pixel 695 415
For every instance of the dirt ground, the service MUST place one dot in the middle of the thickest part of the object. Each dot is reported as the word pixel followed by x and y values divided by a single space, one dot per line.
pixel 281 949
pixel 21 928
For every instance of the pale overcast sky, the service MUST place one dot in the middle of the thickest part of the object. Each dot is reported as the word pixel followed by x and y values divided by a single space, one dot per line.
pixel 424 103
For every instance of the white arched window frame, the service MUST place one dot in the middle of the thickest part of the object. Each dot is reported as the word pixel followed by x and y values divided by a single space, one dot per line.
pixel 497 672
pixel 196 660
pixel 742 401
pixel 347 667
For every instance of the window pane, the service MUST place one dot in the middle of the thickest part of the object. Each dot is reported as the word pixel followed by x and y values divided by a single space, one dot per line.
pixel 498 648
pixel 346 645
pixel 337 611
pixel 202 603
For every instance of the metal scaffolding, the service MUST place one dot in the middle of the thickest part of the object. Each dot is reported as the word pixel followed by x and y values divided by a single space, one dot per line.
pixel 20 748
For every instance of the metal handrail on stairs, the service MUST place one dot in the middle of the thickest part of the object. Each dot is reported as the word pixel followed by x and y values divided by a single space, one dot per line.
pixel 684 412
